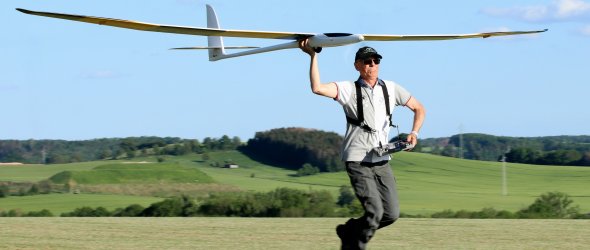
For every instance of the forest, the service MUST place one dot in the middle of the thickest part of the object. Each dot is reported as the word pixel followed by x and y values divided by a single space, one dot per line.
pixel 62 151
pixel 304 149
pixel 292 148
pixel 547 150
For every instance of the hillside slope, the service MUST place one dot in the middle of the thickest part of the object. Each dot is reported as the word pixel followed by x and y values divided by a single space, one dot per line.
pixel 118 173
pixel 427 183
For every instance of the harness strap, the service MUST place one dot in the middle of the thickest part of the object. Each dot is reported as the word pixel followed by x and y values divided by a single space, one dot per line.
pixel 387 110
pixel 360 122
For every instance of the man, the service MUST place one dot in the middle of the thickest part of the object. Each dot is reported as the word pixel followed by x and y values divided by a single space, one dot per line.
pixel 370 174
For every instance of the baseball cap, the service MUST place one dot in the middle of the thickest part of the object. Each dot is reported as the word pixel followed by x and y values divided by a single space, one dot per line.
pixel 366 52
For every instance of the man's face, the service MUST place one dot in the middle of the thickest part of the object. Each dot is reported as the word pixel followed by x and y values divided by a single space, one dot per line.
pixel 368 68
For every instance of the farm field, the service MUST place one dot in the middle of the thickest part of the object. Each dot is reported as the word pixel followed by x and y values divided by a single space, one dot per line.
pixel 429 183
pixel 38 172
pixel 286 233
pixel 61 203
pixel 426 183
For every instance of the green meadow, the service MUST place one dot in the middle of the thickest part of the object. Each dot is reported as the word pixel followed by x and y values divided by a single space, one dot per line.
pixel 286 233
pixel 429 183
pixel 426 183
pixel 134 173
pixel 61 203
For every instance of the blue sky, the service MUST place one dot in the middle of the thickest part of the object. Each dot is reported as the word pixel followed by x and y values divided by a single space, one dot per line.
pixel 75 81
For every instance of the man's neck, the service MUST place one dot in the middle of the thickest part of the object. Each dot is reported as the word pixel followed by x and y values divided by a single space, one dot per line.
pixel 371 81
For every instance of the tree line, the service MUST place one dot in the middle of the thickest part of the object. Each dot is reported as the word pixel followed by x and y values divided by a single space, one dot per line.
pixel 286 202
pixel 282 202
pixel 62 151
pixel 292 148
pixel 548 150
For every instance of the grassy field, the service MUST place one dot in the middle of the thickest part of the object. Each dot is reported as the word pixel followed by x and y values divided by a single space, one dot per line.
pixel 426 183
pixel 285 233
pixel 168 172
pixel 38 172
pixel 61 203
pixel 429 183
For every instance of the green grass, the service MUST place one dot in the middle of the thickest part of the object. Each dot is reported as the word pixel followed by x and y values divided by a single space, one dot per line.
pixel 286 233
pixel 426 183
pixel 38 172
pixel 60 203
pixel 134 173
pixel 457 184
pixel 255 176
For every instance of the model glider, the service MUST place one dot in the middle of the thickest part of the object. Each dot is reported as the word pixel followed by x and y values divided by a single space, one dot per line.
pixel 215 34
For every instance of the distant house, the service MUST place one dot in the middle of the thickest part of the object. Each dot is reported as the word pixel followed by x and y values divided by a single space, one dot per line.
pixel 231 165
pixel 10 164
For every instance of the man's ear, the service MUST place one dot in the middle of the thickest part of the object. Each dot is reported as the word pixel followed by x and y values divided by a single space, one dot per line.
pixel 357 65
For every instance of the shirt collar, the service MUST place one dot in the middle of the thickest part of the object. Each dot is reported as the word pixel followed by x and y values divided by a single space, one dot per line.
pixel 362 82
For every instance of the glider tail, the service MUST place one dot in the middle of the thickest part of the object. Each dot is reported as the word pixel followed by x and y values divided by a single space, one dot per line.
pixel 216 49
pixel 215 43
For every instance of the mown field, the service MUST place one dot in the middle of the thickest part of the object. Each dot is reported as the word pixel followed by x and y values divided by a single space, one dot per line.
pixel 430 183
pixel 426 183
pixel 285 233
pixel 62 203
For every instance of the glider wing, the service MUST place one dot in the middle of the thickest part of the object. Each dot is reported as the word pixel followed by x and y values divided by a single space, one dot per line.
pixel 445 37
pixel 172 29
pixel 254 34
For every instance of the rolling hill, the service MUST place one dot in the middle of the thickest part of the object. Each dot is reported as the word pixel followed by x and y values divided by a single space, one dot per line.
pixel 427 183
pixel 118 173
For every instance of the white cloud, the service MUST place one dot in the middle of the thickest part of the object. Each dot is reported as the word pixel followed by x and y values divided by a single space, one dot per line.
pixel 571 8
pixel 529 13
pixel 558 10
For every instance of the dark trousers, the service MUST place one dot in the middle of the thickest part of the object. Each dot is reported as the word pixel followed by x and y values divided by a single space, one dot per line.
pixel 375 187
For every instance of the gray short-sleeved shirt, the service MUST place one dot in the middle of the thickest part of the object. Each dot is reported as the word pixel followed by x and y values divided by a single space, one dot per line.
pixel 358 143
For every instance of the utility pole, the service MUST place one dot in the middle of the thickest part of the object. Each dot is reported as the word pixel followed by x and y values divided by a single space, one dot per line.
pixel 504 174
pixel 504 184
pixel 43 156
pixel 460 141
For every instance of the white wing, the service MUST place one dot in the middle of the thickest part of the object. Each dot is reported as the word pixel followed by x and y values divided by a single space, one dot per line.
pixel 172 29
pixel 445 37
pixel 255 34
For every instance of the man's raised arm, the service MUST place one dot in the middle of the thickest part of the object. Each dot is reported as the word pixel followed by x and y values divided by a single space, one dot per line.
pixel 318 88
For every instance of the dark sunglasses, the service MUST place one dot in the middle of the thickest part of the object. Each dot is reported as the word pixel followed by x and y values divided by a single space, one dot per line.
pixel 368 61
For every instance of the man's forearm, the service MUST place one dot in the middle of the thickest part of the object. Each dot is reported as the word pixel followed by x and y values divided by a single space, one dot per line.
pixel 419 115
pixel 314 75
pixel 317 87
pixel 327 90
